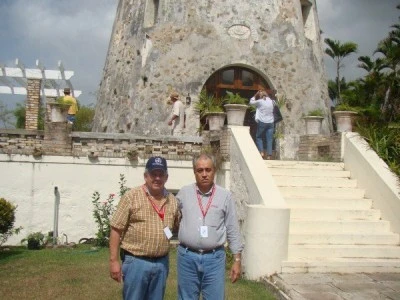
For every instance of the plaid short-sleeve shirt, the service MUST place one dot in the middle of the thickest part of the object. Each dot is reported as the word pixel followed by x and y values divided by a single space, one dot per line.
pixel 142 227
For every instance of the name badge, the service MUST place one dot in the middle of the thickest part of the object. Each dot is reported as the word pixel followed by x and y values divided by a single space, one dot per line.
pixel 204 231
pixel 168 232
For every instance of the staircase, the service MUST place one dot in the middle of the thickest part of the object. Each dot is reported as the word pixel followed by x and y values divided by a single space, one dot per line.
pixel 333 227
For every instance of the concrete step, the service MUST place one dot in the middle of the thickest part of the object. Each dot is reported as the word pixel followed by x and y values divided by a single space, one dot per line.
pixel 335 227
pixel 293 164
pixel 323 203
pixel 300 181
pixel 309 172
pixel 334 214
pixel 325 192
pixel 349 251
pixel 345 239
pixel 342 265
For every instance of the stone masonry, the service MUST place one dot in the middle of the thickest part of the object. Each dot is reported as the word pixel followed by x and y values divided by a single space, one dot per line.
pixel 32 103
pixel 161 46
pixel 316 147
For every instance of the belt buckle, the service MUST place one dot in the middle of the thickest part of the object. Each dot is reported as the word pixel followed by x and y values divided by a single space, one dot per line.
pixel 201 251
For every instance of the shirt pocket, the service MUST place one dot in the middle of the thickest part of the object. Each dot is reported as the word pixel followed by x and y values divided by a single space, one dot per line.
pixel 215 218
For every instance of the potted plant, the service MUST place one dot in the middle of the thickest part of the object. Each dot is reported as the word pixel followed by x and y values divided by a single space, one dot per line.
pixel 235 107
pixel 344 115
pixel 314 121
pixel 58 110
pixel 132 154
pixel 211 109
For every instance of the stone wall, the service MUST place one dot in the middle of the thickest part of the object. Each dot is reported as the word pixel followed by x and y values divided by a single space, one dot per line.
pixel 58 139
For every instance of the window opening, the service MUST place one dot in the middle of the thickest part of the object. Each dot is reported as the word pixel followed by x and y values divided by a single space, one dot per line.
pixel 151 13
pixel 310 30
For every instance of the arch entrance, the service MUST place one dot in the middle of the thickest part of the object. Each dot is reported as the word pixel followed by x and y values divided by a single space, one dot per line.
pixel 237 79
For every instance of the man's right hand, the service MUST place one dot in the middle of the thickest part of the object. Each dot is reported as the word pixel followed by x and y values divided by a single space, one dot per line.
pixel 115 271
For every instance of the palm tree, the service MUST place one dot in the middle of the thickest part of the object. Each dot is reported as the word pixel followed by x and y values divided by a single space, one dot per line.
pixel 338 51
pixel 374 80
pixel 390 48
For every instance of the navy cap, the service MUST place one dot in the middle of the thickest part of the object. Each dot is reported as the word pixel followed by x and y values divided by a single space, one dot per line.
pixel 156 163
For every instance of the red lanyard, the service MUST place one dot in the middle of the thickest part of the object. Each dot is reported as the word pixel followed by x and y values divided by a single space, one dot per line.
pixel 210 199
pixel 160 212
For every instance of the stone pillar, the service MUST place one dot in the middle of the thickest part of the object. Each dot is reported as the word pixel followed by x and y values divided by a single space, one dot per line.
pixel 57 138
pixel 48 108
pixel 32 103
pixel 57 131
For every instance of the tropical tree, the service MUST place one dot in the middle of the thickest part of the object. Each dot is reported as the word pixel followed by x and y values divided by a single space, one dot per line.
pixel 5 116
pixel 19 113
pixel 338 52
pixel 373 83
pixel 84 118
pixel 390 49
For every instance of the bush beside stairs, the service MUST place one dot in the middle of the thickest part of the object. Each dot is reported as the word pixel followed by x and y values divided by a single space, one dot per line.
pixel 333 226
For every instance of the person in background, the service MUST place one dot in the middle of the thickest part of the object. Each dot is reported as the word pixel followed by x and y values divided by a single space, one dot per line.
pixel 142 227
pixel 265 122
pixel 73 109
pixel 208 219
pixel 178 118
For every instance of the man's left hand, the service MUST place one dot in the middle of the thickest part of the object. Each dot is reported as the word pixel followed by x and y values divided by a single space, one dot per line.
pixel 235 271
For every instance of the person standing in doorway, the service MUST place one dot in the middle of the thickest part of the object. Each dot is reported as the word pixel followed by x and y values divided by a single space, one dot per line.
pixel 142 227
pixel 73 109
pixel 208 219
pixel 178 118
pixel 265 122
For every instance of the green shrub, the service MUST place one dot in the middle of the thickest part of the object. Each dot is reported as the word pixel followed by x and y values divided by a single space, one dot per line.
pixel 35 240
pixel 7 219
pixel 385 141
pixel 103 211
pixel 7 215
pixel 84 119
pixel 346 107
pixel 232 98
pixel 316 113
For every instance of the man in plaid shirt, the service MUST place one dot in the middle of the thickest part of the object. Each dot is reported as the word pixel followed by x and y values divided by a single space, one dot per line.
pixel 142 226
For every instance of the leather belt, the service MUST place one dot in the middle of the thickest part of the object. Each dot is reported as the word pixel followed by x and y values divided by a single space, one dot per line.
pixel 151 258
pixel 201 251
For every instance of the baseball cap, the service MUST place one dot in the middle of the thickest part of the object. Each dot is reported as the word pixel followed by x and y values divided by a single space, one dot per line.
pixel 156 163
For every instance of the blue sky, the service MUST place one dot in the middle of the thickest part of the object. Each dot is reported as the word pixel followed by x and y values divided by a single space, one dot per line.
pixel 77 32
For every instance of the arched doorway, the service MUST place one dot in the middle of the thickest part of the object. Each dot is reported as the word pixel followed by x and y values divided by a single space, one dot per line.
pixel 241 80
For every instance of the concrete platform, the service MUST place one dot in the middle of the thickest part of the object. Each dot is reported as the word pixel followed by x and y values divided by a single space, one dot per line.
pixel 335 286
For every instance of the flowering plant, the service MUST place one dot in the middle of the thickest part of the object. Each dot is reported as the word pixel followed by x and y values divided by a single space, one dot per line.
pixel 102 212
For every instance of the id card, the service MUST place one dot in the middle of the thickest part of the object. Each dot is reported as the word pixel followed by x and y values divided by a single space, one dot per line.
pixel 203 231
pixel 167 232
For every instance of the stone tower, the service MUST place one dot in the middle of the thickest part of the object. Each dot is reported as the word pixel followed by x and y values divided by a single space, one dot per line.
pixel 160 46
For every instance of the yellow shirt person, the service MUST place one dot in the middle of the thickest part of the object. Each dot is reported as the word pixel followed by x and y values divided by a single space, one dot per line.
pixel 73 109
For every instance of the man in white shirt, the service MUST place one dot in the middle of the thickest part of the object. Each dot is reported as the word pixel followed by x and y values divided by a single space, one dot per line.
pixel 178 117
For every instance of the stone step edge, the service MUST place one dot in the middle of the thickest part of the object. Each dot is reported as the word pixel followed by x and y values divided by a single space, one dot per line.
pixel 342 265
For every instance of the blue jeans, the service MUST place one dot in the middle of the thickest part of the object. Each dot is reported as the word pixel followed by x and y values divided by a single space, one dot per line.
pixel 144 279
pixel 71 118
pixel 265 130
pixel 201 273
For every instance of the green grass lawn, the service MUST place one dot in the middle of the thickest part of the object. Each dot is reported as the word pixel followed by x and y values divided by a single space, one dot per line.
pixel 82 273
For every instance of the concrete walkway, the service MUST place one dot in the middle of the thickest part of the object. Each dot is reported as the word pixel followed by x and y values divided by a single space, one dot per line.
pixel 318 286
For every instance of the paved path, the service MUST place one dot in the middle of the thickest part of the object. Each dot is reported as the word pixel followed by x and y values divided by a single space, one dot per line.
pixel 316 286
